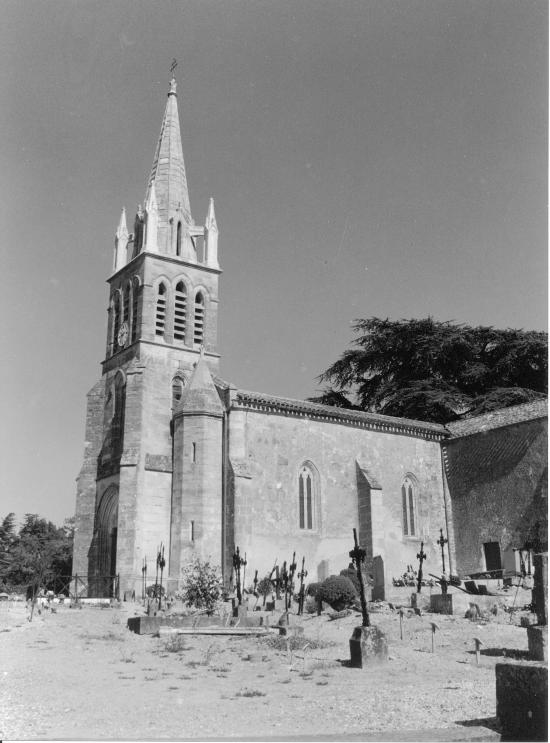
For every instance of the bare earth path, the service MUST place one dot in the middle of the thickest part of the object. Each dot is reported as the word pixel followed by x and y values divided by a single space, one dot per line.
pixel 82 674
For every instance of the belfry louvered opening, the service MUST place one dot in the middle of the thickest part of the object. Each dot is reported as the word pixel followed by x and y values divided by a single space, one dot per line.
pixel 198 330
pixel 160 316
pixel 180 309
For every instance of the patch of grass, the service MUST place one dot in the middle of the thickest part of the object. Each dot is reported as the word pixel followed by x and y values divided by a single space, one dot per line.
pixel 173 688
pixel 284 681
pixel 220 669
pixel 244 692
pixel 185 678
pixel 282 642
pixel 321 683
pixel 126 678
pixel 151 678
pixel 107 637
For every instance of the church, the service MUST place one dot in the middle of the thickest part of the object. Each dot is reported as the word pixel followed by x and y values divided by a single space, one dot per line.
pixel 176 455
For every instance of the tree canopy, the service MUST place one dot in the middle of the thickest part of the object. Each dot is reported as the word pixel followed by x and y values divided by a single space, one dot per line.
pixel 39 554
pixel 436 371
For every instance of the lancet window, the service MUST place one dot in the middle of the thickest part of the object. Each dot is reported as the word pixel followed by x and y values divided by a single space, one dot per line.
pixel 408 506
pixel 178 239
pixel 180 309
pixel 135 293
pixel 307 497
pixel 116 320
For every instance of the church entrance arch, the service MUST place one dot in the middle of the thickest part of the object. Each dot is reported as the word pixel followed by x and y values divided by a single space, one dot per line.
pixel 107 528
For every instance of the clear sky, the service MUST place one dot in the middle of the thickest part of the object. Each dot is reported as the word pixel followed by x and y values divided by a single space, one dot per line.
pixel 366 157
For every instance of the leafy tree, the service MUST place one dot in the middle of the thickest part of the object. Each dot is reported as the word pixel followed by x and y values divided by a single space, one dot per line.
pixel 436 371
pixel 40 554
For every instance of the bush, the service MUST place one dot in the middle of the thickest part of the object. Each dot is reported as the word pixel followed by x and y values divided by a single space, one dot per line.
pixel 351 573
pixel 313 589
pixel 154 590
pixel 337 591
pixel 202 585
pixel 265 586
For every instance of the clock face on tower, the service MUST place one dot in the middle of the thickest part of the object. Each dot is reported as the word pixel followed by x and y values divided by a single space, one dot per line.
pixel 123 335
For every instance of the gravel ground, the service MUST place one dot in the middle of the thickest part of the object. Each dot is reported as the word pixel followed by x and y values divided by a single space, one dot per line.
pixel 82 674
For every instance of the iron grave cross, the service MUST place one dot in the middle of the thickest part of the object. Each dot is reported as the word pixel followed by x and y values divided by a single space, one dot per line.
pixel 358 555
pixel 442 542
pixel 421 557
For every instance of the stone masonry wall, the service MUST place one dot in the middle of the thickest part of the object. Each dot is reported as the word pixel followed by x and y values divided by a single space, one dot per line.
pixel 266 452
pixel 498 486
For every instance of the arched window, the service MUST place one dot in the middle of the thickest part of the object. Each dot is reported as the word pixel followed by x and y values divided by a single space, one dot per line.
pixel 307 497
pixel 116 320
pixel 126 303
pixel 408 506
pixel 117 423
pixel 178 240
pixel 160 317
pixel 135 293
pixel 180 308
pixel 178 383
pixel 198 327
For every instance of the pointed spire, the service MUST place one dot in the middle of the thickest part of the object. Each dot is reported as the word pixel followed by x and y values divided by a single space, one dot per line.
pixel 210 222
pixel 168 172
pixel 201 396
pixel 121 243
pixel 122 229
pixel 151 223
pixel 211 237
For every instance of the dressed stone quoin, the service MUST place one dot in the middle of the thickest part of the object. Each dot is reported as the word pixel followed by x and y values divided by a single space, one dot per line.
pixel 174 454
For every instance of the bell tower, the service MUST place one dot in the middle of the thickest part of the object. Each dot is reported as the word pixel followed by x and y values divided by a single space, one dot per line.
pixel 162 315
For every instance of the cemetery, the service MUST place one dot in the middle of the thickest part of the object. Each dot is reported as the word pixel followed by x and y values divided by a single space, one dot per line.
pixel 280 657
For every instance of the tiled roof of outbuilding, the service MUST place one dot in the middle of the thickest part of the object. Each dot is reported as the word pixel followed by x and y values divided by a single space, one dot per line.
pixel 498 418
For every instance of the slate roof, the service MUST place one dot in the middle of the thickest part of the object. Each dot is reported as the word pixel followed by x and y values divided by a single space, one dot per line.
pixel 303 408
pixel 498 419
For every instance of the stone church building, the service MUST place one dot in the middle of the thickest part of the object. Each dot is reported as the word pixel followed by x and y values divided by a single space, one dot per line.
pixel 176 455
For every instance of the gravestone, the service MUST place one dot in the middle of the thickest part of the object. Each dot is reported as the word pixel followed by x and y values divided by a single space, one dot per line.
pixel 379 587
pixel 537 634
pixel 367 646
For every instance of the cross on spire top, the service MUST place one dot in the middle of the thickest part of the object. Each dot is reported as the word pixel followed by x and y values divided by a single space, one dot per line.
pixel 173 66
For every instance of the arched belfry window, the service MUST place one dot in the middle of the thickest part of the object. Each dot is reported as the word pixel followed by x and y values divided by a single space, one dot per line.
pixel 307 497
pixel 408 506
pixel 160 316
pixel 116 320
pixel 180 309
pixel 135 299
pixel 178 239
pixel 198 326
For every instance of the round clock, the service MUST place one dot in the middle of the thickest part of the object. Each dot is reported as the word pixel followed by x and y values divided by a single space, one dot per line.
pixel 123 335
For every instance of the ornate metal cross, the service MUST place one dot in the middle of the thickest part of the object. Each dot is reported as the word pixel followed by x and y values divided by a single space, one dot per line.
pixel 421 557
pixel 161 562
pixel 238 561
pixel 301 575
pixel 358 555
pixel 173 66
pixel 442 542
pixel 144 578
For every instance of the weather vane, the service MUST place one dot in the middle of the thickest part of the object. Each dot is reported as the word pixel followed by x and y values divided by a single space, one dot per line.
pixel 173 66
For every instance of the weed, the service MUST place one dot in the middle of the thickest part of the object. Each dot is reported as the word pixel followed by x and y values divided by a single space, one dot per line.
pixel 185 678
pixel 127 656
pixel 284 681
pixel 175 644
pixel 126 678
pixel 151 678
pixel 321 683
pixel 220 669
pixel 244 692
pixel 108 637
pixel 173 688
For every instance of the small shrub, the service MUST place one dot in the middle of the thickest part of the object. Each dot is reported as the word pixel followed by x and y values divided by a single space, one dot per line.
pixel 337 591
pixel 155 590
pixel 265 586
pixel 202 585
pixel 351 573
pixel 313 589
